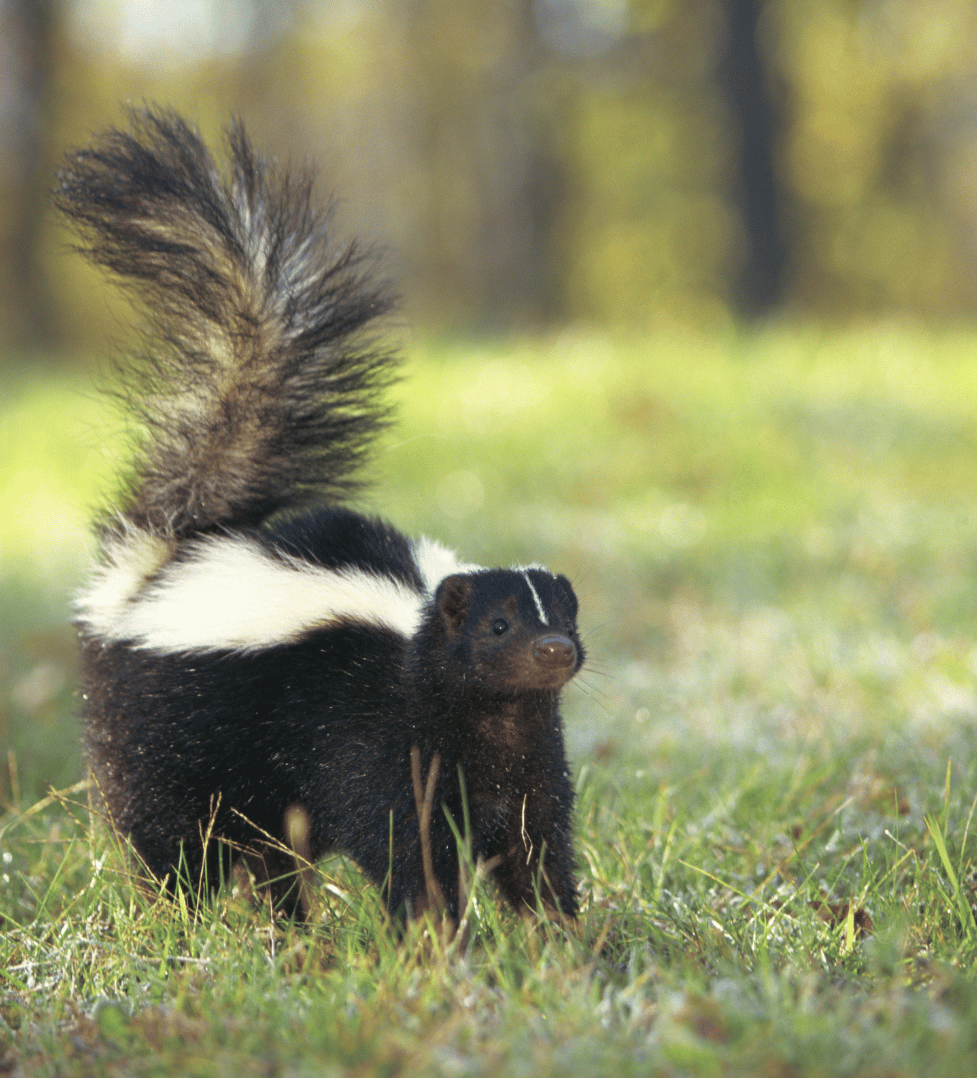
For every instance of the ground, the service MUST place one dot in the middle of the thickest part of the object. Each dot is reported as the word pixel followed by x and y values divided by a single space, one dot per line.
pixel 773 536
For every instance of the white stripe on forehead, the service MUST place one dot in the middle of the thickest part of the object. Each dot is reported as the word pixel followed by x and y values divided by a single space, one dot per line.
pixel 539 606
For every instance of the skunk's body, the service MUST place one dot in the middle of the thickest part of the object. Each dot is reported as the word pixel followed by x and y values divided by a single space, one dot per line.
pixel 249 642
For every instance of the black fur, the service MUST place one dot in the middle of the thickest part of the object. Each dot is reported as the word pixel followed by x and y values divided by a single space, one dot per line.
pixel 257 400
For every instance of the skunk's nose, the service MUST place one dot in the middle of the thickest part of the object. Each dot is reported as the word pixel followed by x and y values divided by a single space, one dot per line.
pixel 555 652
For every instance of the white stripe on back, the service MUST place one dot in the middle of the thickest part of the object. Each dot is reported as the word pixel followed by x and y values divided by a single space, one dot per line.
pixel 229 593
pixel 435 562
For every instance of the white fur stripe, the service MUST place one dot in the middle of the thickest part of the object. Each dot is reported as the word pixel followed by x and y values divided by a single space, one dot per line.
pixel 131 558
pixel 536 599
pixel 435 562
pixel 230 593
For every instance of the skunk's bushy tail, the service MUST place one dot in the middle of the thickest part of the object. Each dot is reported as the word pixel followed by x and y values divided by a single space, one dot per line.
pixel 258 389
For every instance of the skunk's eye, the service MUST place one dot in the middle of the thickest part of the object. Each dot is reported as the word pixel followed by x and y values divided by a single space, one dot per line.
pixel 499 627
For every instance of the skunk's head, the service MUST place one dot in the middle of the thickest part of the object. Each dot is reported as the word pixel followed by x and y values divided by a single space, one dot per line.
pixel 509 630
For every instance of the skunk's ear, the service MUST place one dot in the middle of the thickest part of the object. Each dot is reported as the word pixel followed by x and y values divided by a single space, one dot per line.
pixel 453 599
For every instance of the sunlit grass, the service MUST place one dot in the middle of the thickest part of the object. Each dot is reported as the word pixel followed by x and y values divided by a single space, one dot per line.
pixel 774 540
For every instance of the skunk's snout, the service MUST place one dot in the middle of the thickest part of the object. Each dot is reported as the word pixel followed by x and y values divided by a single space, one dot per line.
pixel 555 652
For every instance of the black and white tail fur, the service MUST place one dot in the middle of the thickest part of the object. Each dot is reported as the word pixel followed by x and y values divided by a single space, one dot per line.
pixel 251 644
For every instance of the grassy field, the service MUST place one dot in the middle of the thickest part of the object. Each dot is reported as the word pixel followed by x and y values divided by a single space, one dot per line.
pixel 774 541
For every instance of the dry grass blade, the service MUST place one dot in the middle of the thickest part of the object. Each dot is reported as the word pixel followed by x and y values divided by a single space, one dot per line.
pixel 424 803
pixel 298 827
pixel 58 796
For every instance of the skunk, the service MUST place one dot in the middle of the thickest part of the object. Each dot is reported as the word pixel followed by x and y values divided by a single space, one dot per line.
pixel 249 642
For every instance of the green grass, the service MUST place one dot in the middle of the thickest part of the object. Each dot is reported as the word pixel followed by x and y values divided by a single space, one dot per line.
pixel 774 540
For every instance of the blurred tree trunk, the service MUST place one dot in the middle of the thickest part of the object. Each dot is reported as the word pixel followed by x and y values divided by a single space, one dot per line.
pixel 488 220
pixel 257 77
pixel 522 248
pixel 27 28
pixel 761 283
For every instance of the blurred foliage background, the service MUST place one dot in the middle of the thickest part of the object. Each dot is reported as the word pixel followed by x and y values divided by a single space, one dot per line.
pixel 581 203
pixel 525 163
